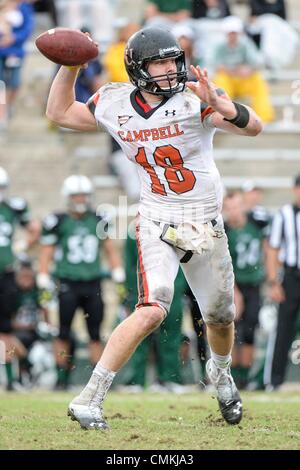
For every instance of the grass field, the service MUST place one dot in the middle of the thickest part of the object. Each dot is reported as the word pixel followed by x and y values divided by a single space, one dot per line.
pixel 148 421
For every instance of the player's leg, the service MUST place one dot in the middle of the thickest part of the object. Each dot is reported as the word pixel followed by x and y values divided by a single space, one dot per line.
pixel 211 279
pixel 252 307
pixel 92 304
pixel 68 302
pixel 157 269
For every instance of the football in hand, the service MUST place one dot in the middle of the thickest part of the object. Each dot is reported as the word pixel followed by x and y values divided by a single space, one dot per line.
pixel 67 46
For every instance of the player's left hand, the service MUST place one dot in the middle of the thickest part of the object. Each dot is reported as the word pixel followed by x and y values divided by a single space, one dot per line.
pixel 203 88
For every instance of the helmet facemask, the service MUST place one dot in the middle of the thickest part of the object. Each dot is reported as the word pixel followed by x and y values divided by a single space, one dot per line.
pixel 79 208
pixel 153 81
pixel 139 75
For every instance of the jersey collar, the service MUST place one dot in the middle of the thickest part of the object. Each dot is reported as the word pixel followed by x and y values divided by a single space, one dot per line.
pixel 141 107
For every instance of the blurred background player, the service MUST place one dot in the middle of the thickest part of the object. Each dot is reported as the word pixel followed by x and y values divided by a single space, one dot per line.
pixel 247 240
pixel 73 240
pixel 28 312
pixel 13 211
pixel 165 13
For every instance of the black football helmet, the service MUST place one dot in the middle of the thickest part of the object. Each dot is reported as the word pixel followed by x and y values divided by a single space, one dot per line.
pixel 150 44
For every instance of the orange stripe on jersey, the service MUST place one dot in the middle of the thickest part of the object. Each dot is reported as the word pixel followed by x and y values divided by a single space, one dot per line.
pixel 92 102
pixel 206 112
pixel 96 98
pixel 143 288
pixel 145 106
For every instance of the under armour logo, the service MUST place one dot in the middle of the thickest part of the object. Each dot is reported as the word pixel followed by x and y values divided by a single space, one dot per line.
pixel 170 112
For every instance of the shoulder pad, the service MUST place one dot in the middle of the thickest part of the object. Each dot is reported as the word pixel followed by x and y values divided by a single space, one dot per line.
pixel 17 204
pixel 52 221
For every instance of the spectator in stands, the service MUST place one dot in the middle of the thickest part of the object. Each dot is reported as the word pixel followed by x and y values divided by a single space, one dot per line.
pixel 13 211
pixel 262 7
pixel 237 62
pixel 97 15
pixel 116 72
pixel 114 57
pixel 46 6
pixel 212 9
pixel 247 240
pixel 89 79
pixel 166 12
pixel 283 276
pixel 76 236
pixel 10 17
pixel 185 38
pixel 28 312
pixel 12 55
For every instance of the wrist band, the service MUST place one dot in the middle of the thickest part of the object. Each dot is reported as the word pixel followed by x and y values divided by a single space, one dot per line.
pixel 242 118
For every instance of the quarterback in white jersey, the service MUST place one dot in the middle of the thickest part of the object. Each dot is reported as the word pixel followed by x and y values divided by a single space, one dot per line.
pixel 167 131
pixel 172 146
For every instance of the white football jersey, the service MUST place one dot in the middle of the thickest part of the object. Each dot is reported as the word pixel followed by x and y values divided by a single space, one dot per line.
pixel 172 146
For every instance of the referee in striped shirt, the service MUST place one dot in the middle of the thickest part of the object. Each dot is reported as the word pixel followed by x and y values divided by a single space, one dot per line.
pixel 284 250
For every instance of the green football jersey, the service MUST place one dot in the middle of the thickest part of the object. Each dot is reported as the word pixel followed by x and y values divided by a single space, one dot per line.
pixel 13 211
pixel 77 243
pixel 27 307
pixel 246 249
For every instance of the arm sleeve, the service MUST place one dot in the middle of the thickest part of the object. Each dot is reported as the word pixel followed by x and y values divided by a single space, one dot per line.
pixel 21 209
pixel 93 101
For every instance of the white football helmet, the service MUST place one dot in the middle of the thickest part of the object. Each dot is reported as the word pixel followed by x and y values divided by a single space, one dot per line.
pixel 4 183
pixel 76 185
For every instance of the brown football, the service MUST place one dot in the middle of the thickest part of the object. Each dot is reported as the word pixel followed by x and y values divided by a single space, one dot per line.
pixel 67 46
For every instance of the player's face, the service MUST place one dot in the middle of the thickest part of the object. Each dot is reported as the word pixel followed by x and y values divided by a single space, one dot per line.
pixel 79 203
pixel 163 67
pixel 252 198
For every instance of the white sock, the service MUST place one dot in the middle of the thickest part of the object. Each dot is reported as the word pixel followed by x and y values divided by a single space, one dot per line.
pixel 221 361
pixel 97 387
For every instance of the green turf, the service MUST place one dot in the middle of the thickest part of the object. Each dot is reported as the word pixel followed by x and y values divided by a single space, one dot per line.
pixel 145 421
